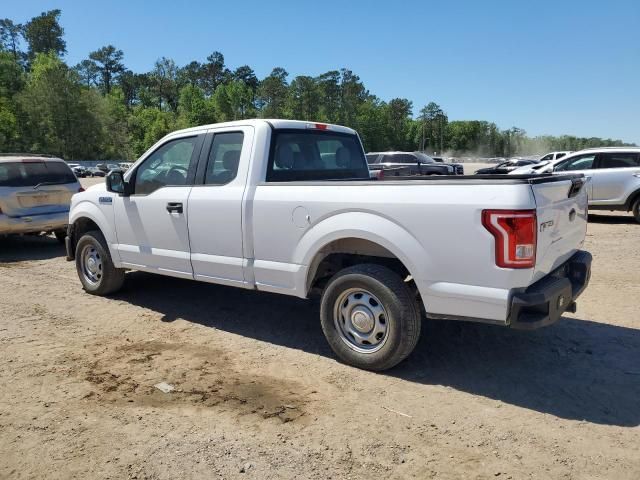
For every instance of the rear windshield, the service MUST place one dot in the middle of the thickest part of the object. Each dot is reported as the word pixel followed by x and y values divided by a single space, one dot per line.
pixel 298 155
pixel 29 174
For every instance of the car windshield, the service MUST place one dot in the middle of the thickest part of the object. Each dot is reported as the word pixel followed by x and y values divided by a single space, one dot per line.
pixel 424 158
pixel 32 173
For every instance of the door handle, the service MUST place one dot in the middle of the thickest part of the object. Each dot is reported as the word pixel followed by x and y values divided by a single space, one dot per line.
pixel 174 207
pixel 637 174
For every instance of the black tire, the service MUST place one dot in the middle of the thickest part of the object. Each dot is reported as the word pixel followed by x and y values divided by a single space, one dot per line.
pixel 636 210
pixel 108 279
pixel 60 235
pixel 400 309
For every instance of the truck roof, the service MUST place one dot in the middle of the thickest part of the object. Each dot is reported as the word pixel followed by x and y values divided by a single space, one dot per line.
pixel 274 123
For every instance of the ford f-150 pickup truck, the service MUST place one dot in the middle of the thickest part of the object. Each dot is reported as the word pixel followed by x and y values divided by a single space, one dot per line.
pixel 289 207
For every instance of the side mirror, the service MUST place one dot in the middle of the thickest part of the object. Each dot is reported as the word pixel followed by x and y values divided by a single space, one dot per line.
pixel 116 183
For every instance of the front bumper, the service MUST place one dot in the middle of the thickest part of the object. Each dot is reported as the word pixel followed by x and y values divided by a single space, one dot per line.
pixel 33 223
pixel 544 302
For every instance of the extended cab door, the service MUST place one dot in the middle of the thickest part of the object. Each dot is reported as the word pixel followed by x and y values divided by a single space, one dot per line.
pixel 615 177
pixel 151 224
pixel 215 206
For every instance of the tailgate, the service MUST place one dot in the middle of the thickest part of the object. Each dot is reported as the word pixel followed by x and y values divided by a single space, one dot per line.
pixel 561 207
pixel 18 202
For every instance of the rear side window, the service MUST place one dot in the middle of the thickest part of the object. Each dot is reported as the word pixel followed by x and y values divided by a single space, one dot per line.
pixel 619 160
pixel 25 174
pixel 372 158
pixel 299 155
pixel 400 158
pixel 224 157
pixel 560 155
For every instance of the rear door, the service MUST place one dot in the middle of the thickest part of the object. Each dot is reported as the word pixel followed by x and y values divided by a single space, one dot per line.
pixel 151 224
pixel 616 174
pixel 561 208
pixel 32 187
pixel 215 206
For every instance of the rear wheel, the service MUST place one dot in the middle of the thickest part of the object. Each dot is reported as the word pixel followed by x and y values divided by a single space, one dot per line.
pixel 95 267
pixel 370 317
pixel 636 210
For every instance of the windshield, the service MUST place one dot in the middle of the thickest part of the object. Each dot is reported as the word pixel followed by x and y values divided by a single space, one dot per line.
pixel 298 155
pixel 30 174
pixel 424 158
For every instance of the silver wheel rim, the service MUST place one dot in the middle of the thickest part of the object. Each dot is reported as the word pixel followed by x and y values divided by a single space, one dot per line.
pixel 361 320
pixel 91 264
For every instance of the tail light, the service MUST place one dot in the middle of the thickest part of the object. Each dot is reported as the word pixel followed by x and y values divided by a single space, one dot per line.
pixel 515 236
pixel 380 174
pixel 80 190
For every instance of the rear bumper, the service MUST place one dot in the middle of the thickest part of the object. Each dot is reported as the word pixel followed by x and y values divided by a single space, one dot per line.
pixel 33 223
pixel 544 302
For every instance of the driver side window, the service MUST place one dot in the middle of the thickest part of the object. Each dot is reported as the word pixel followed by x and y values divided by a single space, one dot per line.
pixel 583 162
pixel 167 166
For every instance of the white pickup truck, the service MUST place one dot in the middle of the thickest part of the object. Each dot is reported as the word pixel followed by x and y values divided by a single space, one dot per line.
pixel 289 207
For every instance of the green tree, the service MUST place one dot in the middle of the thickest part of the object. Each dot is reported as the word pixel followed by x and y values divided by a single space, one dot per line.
pixel 88 72
pixel 108 61
pixel 59 117
pixel 214 73
pixel 10 38
pixel 194 108
pixel 44 34
pixel 303 99
pixel 330 92
pixel 272 94
pixel 398 116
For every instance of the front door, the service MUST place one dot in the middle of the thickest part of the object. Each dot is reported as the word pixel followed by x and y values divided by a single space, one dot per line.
pixel 584 164
pixel 151 224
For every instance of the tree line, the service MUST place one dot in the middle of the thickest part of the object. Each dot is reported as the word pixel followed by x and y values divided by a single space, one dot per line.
pixel 100 109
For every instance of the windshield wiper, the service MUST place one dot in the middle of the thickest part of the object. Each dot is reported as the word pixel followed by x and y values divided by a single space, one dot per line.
pixel 47 183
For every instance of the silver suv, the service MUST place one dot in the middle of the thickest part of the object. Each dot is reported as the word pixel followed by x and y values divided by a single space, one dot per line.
pixel 35 194
pixel 613 176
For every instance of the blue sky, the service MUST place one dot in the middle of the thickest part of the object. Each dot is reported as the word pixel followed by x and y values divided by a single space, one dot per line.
pixel 550 67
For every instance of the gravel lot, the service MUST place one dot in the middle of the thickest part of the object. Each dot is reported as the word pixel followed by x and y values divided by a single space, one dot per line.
pixel 260 395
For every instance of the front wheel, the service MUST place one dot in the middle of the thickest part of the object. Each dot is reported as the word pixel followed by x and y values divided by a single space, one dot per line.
pixel 370 317
pixel 95 268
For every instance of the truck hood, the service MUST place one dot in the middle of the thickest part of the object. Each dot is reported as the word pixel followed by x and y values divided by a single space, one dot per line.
pixel 99 187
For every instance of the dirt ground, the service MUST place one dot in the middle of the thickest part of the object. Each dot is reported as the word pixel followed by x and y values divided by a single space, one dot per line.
pixel 260 395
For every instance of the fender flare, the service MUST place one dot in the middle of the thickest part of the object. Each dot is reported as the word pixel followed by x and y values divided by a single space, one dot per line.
pixel 362 225
pixel 86 209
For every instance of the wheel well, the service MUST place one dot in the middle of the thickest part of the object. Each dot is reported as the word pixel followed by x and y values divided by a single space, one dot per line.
pixel 347 252
pixel 80 227
pixel 632 199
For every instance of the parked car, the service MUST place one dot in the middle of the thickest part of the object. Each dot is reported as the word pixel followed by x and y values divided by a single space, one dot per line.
pixel 410 163
pixel 553 156
pixel 95 172
pixel 113 166
pixel 505 167
pixel 125 165
pixel 613 176
pixel 35 194
pixel 79 171
pixel 289 207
